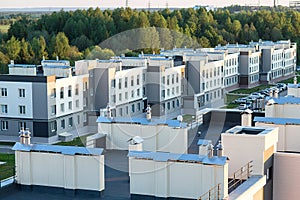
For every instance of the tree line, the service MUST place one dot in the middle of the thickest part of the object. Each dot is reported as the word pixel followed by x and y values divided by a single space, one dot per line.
pixel 76 34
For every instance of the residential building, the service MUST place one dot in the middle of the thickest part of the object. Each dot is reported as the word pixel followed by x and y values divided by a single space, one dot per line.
pixel 47 105
pixel 278 60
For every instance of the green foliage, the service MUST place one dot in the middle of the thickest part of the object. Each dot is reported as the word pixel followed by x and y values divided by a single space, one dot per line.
pixel 98 53
pixel 7 169
pixel 59 33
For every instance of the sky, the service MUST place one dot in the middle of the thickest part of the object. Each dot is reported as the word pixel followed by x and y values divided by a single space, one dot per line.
pixel 132 3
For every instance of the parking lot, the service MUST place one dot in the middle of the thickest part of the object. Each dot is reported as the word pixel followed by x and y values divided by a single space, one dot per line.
pixel 257 100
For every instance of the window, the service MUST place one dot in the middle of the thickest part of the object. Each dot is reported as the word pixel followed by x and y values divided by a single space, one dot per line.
pixel 144 77
pixel 132 80
pixel 22 93
pixel 168 92
pixel 120 97
pixel 126 95
pixel 77 103
pixel 70 91
pixel 70 105
pixel 62 107
pixel 132 108
pixel 138 79
pixel 144 91
pixel 168 106
pixel 22 125
pixel 138 92
pixel 173 104
pixel 85 117
pixel 126 109
pixel 120 83
pixel 4 109
pixel 76 89
pixel 91 92
pixel 173 91
pixel 85 86
pixel 132 93
pixel 85 101
pixel 121 111
pixel 178 103
pixel 78 119
pixel 163 93
pixel 61 92
pixel 168 80
pixel 177 90
pixel 62 124
pixel 53 110
pixel 126 82
pixel 3 92
pixel 4 125
pixel 163 79
pixel 173 78
pixel 53 93
pixel 53 126
pixel 113 83
pixel 22 110
pixel 138 106
pixel 177 78
pixel 70 121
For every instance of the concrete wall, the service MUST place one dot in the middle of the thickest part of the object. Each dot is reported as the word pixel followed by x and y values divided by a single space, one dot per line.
pixel 156 138
pixel 282 111
pixel 58 170
pixel 286 176
pixel 242 148
pixel 287 136
pixel 176 179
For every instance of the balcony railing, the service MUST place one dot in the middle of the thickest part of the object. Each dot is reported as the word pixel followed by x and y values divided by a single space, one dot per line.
pixel 240 176
pixel 213 194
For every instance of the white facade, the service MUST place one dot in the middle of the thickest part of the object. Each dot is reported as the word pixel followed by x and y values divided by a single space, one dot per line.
pixel 157 137
pixel 84 172
pixel 188 180
pixel 18 99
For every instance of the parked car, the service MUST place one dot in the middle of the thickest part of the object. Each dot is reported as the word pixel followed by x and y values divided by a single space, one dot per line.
pixel 242 106
pixel 241 100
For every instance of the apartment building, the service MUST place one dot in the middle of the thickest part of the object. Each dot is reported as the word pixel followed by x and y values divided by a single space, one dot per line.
pixel 278 60
pixel 48 105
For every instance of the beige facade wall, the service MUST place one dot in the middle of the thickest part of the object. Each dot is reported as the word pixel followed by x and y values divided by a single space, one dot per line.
pixel 156 138
pixel 176 179
pixel 242 148
pixel 59 170
pixel 286 176
pixel 283 111
pixel 287 136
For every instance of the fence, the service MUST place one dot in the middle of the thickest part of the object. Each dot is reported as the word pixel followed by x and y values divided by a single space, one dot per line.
pixel 213 194
pixel 240 176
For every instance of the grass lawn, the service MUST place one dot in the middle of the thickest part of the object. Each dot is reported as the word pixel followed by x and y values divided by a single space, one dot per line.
pixel 250 90
pixel 79 141
pixel 7 169
pixel 291 80
pixel 4 28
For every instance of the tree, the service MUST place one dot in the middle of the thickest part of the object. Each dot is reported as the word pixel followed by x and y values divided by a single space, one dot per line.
pixel 82 42
pixel 26 52
pixel 39 49
pixel 98 53
pixel 62 46
pixel 13 48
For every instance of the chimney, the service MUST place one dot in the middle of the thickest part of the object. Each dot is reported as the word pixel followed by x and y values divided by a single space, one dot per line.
pixel 220 149
pixel 12 62
pixel 108 111
pixel 57 58
pixel 295 80
pixel 210 150
pixel 246 118
pixel 135 143
pixel 27 136
pixel 148 113
pixel 203 147
pixel 271 93
pixel 276 93
pixel 22 136
pixel 43 57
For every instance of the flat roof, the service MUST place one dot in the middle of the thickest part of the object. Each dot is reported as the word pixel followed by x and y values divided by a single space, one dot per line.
pixel 290 85
pixel 203 142
pixel 240 130
pixel 165 156
pixel 284 121
pixel 286 100
pixel 143 121
pixel 66 150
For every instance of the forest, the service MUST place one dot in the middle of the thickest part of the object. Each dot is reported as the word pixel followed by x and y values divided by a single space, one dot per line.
pixel 75 35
